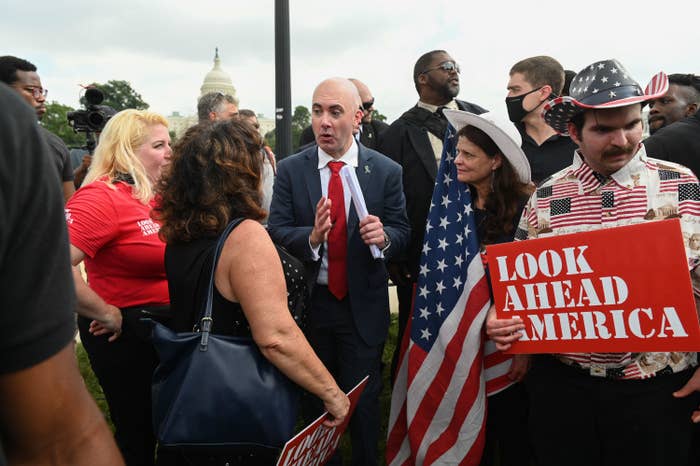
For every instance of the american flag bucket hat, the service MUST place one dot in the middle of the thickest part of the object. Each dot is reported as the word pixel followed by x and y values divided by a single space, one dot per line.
pixel 604 84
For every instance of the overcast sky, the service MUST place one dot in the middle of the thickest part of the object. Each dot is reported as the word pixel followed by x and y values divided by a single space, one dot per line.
pixel 164 48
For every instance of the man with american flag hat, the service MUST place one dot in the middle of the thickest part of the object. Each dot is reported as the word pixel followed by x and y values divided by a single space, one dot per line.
pixel 618 409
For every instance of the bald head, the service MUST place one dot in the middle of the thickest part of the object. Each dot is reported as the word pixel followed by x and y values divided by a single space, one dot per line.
pixel 335 112
pixel 366 99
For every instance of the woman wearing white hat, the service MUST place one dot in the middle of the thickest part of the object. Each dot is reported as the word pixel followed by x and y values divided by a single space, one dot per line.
pixel 490 161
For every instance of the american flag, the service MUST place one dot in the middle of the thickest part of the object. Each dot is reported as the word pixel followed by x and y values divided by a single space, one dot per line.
pixel 438 404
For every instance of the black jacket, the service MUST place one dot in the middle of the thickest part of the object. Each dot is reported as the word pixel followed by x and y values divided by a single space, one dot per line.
pixel 678 142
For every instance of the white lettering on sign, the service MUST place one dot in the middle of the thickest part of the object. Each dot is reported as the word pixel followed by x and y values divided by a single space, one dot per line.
pixel 549 263
pixel 602 325
pixel 546 295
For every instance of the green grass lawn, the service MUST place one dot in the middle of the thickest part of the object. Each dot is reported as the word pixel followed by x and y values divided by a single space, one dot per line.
pixel 385 400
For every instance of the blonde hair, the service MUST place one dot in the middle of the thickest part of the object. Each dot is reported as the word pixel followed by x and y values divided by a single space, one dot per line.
pixel 115 153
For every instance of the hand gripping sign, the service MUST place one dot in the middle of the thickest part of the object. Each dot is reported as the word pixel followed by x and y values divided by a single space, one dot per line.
pixel 611 290
pixel 316 443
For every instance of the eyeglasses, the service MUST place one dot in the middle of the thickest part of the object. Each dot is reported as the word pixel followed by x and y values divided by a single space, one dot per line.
pixel 367 105
pixel 37 91
pixel 444 66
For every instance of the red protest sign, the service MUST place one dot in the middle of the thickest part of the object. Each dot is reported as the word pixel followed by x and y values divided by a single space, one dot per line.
pixel 611 290
pixel 315 444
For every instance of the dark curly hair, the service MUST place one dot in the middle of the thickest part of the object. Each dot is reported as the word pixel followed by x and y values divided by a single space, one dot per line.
pixel 508 193
pixel 214 176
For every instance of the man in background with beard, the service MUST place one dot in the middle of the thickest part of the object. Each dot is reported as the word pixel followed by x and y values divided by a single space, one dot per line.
pixel 414 141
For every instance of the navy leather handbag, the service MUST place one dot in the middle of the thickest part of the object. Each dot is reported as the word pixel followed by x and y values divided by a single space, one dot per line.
pixel 218 391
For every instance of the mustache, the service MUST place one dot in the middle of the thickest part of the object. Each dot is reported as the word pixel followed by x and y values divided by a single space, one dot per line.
pixel 618 150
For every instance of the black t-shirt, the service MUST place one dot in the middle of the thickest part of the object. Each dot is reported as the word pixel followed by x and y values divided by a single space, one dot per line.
pixel 59 153
pixel 556 153
pixel 37 297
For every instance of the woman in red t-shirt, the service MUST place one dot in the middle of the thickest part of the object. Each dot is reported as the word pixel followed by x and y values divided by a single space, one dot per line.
pixel 111 231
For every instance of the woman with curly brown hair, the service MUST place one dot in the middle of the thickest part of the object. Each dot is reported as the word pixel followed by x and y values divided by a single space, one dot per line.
pixel 214 177
pixel 490 161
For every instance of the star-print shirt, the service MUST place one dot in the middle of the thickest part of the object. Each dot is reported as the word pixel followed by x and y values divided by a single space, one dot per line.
pixel 578 199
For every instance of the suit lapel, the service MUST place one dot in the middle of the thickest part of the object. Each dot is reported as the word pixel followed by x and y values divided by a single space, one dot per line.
pixel 421 144
pixel 313 179
pixel 364 174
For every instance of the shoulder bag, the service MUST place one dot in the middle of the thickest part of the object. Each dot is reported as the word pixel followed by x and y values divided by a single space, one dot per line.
pixel 218 391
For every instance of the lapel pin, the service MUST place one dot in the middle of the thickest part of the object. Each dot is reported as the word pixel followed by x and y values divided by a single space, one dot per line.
pixel 367 169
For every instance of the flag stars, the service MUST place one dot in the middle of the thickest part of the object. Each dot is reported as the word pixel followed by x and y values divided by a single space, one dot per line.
pixel 604 79
pixel 425 334
pixel 613 70
pixel 442 244
pixel 459 261
pixel 446 201
pixel 424 270
pixel 467 209
pixel 440 287
pixel 423 291
pixel 441 266
pixel 443 222
pixel 617 83
pixel 424 313
pixel 457 282
pixel 611 94
pixel 459 239
pixel 601 66
pixel 428 226
pixel 426 248
pixel 439 309
pixel 447 179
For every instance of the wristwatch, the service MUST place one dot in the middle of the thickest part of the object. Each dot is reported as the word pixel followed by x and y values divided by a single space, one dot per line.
pixel 387 242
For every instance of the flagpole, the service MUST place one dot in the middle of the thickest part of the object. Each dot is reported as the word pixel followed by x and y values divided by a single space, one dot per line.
pixel 283 93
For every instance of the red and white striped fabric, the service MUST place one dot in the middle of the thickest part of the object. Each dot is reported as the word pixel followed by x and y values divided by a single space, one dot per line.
pixel 438 405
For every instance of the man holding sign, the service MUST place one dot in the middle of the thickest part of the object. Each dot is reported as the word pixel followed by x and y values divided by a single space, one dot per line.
pixel 629 408
pixel 312 214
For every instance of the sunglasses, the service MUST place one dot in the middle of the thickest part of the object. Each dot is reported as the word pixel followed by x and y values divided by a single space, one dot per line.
pixel 447 66
pixel 367 105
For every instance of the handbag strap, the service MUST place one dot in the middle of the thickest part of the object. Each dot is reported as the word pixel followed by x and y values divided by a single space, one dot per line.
pixel 205 318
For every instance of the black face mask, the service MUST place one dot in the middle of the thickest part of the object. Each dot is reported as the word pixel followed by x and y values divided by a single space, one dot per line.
pixel 516 112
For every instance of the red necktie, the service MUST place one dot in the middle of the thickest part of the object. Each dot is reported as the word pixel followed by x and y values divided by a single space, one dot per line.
pixel 338 236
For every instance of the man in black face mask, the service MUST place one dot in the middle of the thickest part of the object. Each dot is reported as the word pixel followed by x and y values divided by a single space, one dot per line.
pixel 534 81
pixel 414 140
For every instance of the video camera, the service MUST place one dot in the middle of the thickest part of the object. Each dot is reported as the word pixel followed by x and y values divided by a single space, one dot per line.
pixel 93 118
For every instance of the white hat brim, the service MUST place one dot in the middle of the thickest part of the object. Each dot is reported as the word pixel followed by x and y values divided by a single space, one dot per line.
pixel 503 133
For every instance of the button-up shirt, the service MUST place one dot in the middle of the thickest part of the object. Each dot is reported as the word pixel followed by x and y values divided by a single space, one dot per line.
pixel 350 158
pixel 578 199
pixel 436 142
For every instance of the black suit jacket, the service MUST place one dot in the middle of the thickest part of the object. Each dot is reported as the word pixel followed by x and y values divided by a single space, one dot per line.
pixel 296 192
pixel 409 146
pixel 678 142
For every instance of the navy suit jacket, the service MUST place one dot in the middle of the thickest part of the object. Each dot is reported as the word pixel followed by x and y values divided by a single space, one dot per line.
pixel 296 192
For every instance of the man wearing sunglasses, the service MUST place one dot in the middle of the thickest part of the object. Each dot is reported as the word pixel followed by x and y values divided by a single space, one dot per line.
pixel 22 77
pixel 414 140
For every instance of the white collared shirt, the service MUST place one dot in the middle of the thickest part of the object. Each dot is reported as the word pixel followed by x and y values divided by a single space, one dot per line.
pixel 435 142
pixel 350 158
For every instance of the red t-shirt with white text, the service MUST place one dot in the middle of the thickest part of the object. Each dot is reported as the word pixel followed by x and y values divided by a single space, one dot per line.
pixel 125 257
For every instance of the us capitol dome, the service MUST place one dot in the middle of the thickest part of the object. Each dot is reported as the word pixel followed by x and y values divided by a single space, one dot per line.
pixel 216 80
